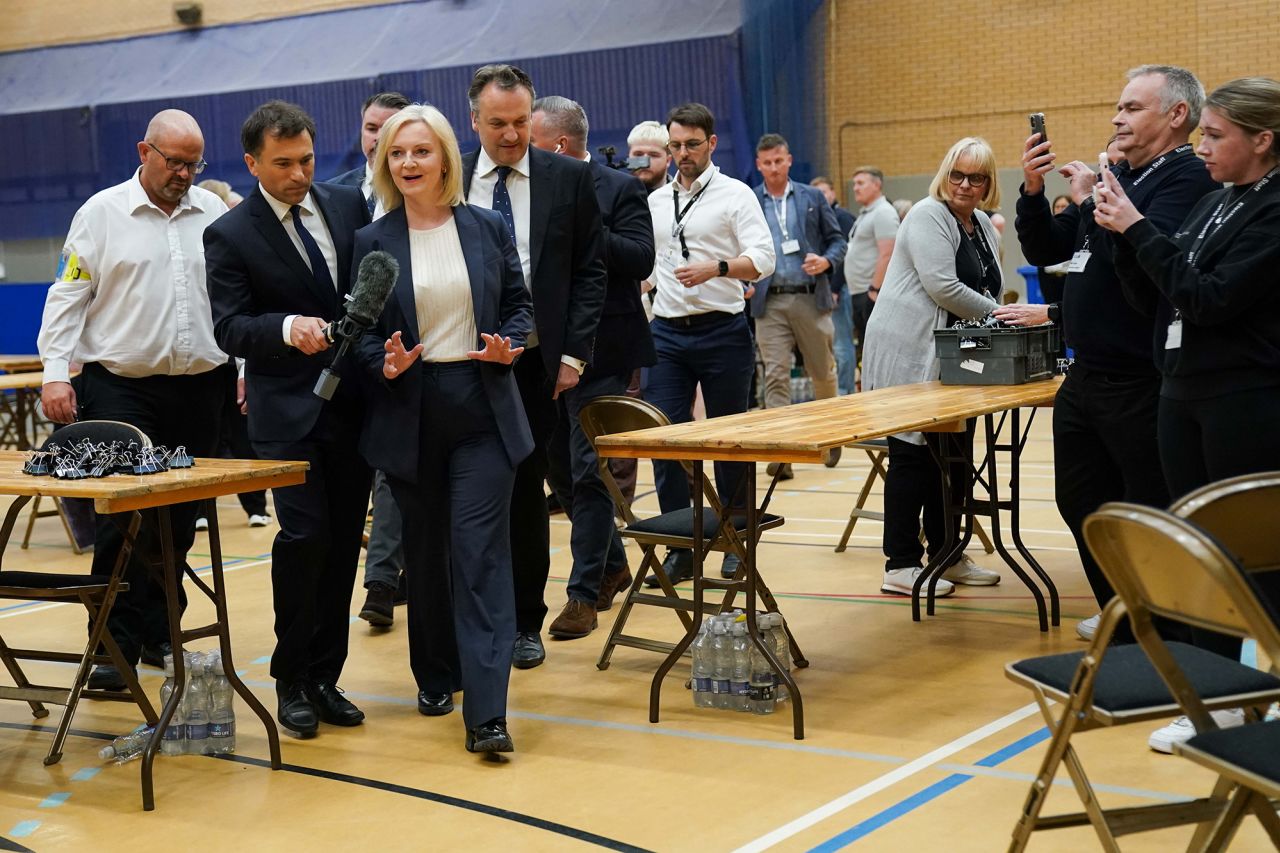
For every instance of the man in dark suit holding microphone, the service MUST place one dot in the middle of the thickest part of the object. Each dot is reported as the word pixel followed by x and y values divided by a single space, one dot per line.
pixel 277 272
pixel 549 204
pixel 623 343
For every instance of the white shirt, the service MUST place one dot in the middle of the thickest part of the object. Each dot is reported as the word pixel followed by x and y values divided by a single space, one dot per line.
pixel 726 222
pixel 130 289
pixel 314 222
pixel 367 189
pixel 442 293
pixel 483 181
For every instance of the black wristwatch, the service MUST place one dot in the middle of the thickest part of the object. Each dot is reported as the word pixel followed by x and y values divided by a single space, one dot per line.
pixel 723 269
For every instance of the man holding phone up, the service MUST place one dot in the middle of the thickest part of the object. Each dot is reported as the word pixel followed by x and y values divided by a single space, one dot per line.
pixel 1104 419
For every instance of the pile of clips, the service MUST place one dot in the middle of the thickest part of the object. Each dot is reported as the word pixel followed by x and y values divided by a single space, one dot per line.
pixel 87 458
pixel 987 322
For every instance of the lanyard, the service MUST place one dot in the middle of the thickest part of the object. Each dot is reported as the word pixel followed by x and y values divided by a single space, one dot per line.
pixel 677 227
pixel 780 210
pixel 1217 219
pixel 1175 154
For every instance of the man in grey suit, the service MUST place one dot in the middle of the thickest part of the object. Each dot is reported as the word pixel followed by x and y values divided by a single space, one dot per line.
pixel 384 558
pixel 793 306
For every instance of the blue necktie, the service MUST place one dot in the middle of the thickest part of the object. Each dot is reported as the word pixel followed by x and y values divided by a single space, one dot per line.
pixel 502 200
pixel 372 203
pixel 319 268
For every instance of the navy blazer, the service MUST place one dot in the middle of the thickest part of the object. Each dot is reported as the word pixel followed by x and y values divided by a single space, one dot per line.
pixel 354 178
pixel 820 235
pixel 392 435
pixel 566 272
pixel 623 339
pixel 256 277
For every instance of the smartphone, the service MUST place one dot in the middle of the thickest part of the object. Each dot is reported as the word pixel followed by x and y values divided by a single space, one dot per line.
pixel 1037 126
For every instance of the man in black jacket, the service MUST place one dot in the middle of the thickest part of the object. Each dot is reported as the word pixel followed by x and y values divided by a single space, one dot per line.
pixel 623 343
pixel 278 267
pixel 549 203
pixel 1104 419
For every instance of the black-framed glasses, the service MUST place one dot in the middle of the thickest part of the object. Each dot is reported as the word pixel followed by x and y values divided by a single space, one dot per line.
pixel 691 146
pixel 173 164
pixel 977 180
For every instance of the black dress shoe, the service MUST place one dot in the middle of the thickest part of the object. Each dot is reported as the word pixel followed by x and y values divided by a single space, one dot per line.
pixel 379 605
pixel 434 704
pixel 678 565
pixel 295 712
pixel 528 651
pixel 154 655
pixel 331 706
pixel 490 737
pixel 105 677
pixel 729 567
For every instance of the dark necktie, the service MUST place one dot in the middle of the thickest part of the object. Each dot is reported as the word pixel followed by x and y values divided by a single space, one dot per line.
pixel 372 203
pixel 502 200
pixel 319 268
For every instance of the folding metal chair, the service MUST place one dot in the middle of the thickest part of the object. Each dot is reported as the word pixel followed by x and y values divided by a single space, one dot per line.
pixel 1160 566
pixel 96 593
pixel 722 531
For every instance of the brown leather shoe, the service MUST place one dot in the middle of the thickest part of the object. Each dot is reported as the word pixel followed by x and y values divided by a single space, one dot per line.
pixel 577 619
pixel 611 585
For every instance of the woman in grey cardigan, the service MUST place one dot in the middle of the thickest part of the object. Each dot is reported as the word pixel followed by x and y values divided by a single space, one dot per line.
pixel 944 267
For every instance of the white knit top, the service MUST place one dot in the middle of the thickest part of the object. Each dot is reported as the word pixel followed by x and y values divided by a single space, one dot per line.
pixel 442 294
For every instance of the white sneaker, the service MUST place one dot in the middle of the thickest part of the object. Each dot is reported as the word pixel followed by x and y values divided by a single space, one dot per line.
pixel 1181 730
pixel 969 573
pixel 202 523
pixel 900 582
pixel 259 520
pixel 1086 628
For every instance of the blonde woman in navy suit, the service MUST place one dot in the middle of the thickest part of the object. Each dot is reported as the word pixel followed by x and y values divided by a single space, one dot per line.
pixel 445 420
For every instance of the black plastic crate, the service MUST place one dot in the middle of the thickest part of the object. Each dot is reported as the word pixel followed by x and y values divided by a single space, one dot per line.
pixel 1000 356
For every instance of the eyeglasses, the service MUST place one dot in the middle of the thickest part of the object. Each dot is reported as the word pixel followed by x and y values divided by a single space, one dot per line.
pixel 691 146
pixel 173 164
pixel 957 177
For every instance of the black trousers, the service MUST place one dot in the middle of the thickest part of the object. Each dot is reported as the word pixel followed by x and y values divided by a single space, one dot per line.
pixel 235 441
pixel 530 527
pixel 457 552
pixel 860 305
pixel 172 411
pixel 313 559
pixel 1203 441
pixel 1104 449
pixel 913 487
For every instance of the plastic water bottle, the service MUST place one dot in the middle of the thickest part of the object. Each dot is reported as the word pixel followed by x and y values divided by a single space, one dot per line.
pixel 196 699
pixel 760 688
pixel 740 677
pixel 222 709
pixel 127 747
pixel 721 664
pixel 782 651
pixel 175 734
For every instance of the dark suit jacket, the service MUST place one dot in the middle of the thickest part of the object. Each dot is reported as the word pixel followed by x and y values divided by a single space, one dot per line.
pixel 354 178
pixel 566 254
pixel 623 339
pixel 820 235
pixel 392 435
pixel 256 277
pixel 845 221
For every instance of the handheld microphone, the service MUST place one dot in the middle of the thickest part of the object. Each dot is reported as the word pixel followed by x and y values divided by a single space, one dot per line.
pixel 375 279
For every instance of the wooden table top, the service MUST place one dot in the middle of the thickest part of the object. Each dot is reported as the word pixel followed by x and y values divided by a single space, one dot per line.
pixel 804 431
pixel 17 381
pixel 210 478
pixel 20 363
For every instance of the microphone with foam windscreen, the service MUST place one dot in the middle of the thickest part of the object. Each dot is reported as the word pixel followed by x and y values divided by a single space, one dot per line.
pixel 375 279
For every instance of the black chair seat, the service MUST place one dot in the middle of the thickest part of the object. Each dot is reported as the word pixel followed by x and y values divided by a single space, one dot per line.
pixel 1127 681
pixel 1253 748
pixel 881 443
pixel 680 524
pixel 49 580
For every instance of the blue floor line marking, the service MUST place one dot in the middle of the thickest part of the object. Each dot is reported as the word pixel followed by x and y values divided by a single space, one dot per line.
pixel 25 828
pixel 262 660
pixel 84 774
pixel 54 800
pixel 932 792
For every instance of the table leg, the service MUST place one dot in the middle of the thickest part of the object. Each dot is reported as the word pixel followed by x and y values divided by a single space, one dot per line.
pixel 993 495
pixel 699 546
pixel 1015 513
pixel 168 566
pixel 936 442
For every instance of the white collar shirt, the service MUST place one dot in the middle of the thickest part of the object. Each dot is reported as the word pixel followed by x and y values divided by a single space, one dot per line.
pixel 367 189
pixel 313 221
pixel 130 290
pixel 725 222
pixel 483 181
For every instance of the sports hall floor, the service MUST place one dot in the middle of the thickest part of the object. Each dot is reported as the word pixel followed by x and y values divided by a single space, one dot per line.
pixel 915 739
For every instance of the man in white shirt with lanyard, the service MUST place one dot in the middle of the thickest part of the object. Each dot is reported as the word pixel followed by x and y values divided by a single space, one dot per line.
pixel 129 302
pixel 711 236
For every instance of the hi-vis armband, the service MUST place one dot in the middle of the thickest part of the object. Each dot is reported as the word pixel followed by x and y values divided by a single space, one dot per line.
pixel 69 268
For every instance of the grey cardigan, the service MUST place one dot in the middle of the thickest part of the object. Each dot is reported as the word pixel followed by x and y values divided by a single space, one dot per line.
pixel 920 288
